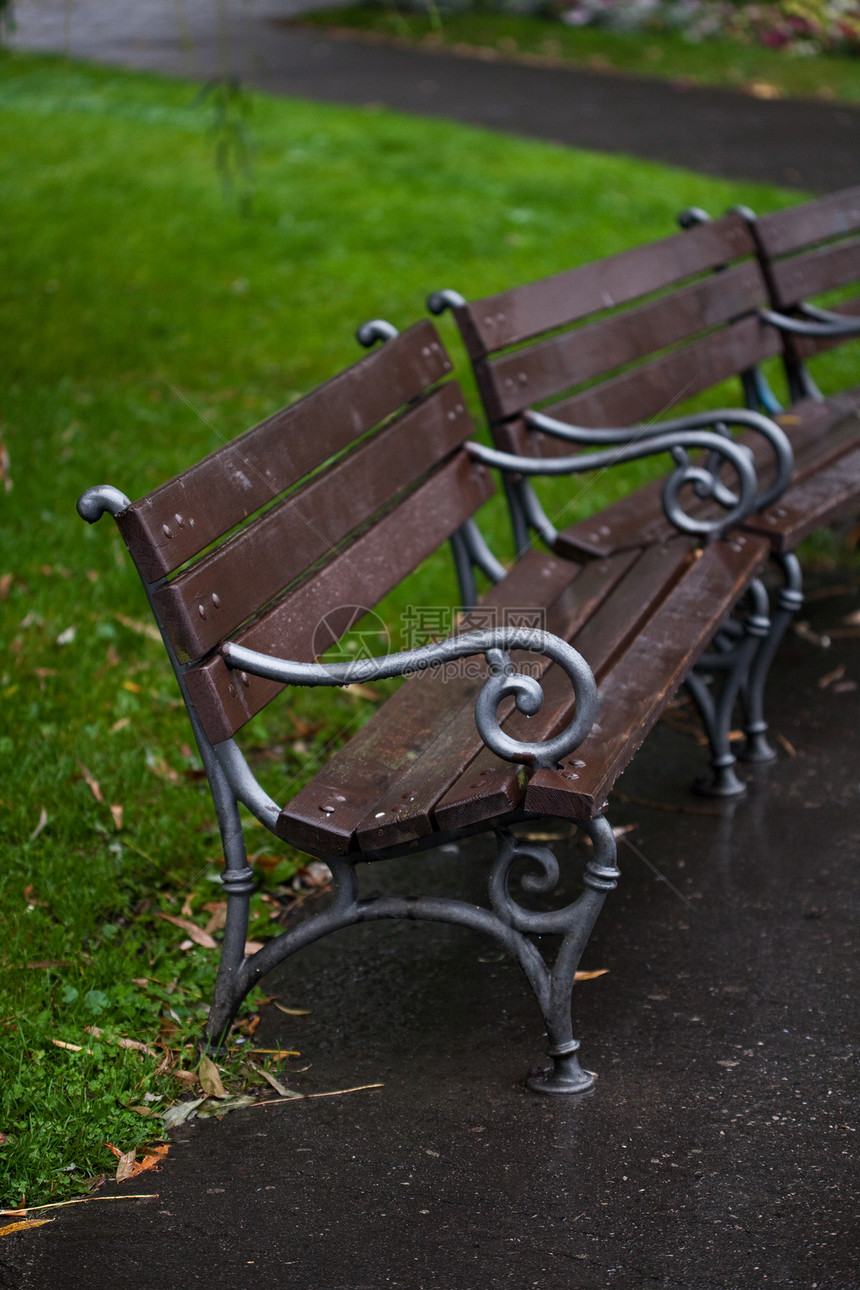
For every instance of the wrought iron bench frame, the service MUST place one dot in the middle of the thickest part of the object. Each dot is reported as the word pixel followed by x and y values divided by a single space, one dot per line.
pixel 225 677
pixel 720 299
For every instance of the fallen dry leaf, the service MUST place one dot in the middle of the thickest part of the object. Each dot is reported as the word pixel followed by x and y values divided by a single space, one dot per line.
pixel 293 1012
pixel 210 1080
pixel 142 629
pixel 92 784
pixel 786 745
pixel 251 947
pixel 305 1097
pixel 22 1227
pixel 43 820
pixel 6 585
pixel 589 976
pixel 829 677
pixel 764 90
pixel 31 898
pixel 275 1083
pixel 196 933
pixel 136 1044
pixel 73 1048
pixel 180 1112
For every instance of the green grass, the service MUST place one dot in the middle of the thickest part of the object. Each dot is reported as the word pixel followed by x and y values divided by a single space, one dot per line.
pixel 751 68
pixel 144 320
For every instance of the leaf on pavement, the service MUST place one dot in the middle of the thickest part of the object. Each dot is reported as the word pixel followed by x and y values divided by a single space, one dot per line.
pixel 210 1080
pixel 293 1012
pixel 213 1107
pixel 182 1111
pixel 22 1227
pixel 589 976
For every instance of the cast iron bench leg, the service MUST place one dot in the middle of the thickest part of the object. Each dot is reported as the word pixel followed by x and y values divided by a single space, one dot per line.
pixel 736 664
pixel 789 600
pixel 507 921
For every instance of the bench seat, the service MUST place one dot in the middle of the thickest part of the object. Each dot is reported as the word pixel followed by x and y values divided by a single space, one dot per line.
pixel 641 618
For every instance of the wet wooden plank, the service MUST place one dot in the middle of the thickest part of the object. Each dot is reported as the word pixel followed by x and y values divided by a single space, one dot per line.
pixel 491 786
pixel 186 514
pixel 202 607
pixel 550 368
pixel 788 230
pixel 324 816
pixel 296 627
pixel 407 810
pixel 512 316
pixel 644 678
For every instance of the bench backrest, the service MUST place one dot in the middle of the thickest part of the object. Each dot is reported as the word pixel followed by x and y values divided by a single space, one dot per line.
pixel 274 539
pixel 808 250
pixel 621 340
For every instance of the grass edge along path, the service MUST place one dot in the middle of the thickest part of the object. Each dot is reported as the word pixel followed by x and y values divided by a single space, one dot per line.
pixel 143 320
pixel 746 68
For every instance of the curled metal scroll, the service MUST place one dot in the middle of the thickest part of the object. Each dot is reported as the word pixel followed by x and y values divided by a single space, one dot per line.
pixel 601 875
pixel 717 422
pixel 502 683
pixel 704 480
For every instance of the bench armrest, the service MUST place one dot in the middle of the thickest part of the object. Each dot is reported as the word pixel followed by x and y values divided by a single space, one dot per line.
pixel 820 323
pixel 717 422
pixel 502 682
pixel 635 442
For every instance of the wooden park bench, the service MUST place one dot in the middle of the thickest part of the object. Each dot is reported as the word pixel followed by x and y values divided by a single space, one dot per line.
pixel 601 354
pixel 257 559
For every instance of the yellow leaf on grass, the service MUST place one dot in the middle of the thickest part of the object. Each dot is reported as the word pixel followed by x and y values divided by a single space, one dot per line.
pixel 210 1080
pixel 22 1227
pixel 116 812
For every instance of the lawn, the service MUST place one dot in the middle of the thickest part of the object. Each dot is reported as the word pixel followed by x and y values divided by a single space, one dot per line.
pixel 149 311
pixel 750 68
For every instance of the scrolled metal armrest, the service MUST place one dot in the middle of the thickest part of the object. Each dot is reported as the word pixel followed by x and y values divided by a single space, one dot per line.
pixel 818 322
pixel 718 421
pixel 703 479
pixel 502 682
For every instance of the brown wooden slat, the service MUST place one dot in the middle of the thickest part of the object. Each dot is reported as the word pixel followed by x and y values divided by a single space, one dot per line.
pixel 545 370
pixel 806 276
pixel 202 607
pixel 656 389
pixel 406 810
pixel 416 716
pixel 808 346
pixel 185 515
pixel 823 498
pixel 830 216
pixel 645 678
pixel 371 566
pixel 530 310
pixel 491 786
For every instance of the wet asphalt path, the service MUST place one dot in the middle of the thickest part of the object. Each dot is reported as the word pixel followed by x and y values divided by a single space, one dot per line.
pixel 719 1150
pixel 813 146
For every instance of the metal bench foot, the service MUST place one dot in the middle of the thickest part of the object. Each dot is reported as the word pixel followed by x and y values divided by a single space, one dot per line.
pixel 564 1076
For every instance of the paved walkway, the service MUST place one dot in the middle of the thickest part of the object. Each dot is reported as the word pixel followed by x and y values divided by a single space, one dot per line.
pixel 812 146
pixel 719 1149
